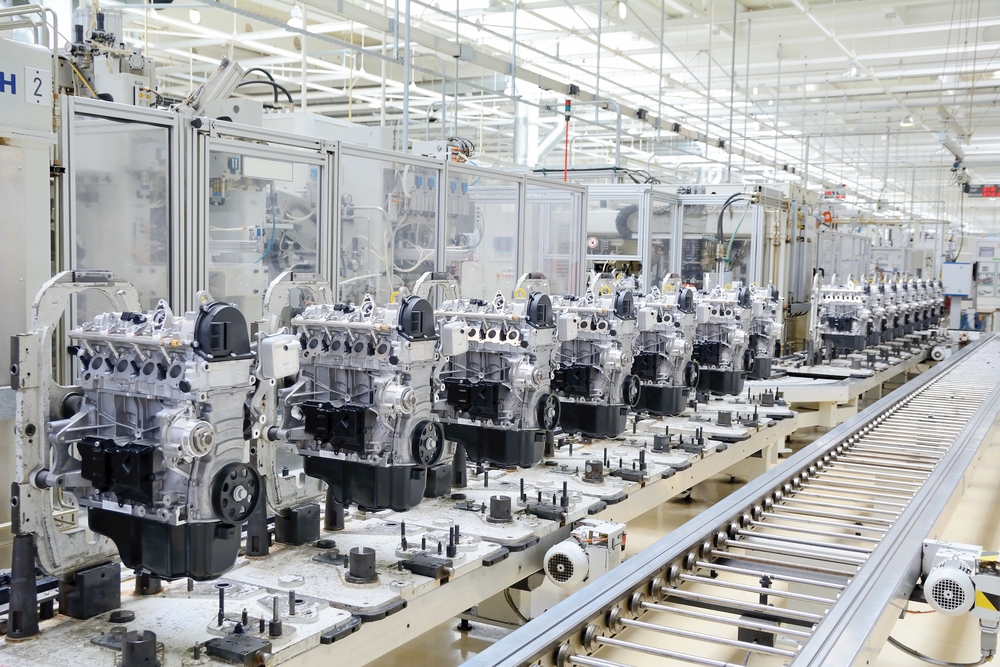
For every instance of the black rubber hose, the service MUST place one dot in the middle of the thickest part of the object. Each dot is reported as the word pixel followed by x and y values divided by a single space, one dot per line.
pixel 728 203
pixel 274 84
pixel 621 221
pixel 265 73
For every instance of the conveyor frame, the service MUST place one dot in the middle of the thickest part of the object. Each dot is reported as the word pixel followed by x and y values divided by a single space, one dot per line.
pixel 857 625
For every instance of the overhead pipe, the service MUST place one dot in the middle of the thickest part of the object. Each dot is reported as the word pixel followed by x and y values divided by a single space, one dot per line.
pixel 444 99
pixel 550 141
pixel 407 75
pixel 304 102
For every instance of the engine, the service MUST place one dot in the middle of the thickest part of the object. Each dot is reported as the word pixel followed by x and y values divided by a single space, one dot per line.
pixel 921 304
pixel 151 441
pixel 895 310
pixel 882 313
pixel 721 345
pixel 494 396
pixel 908 305
pixel 935 298
pixel 765 330
pixel 845 315
pixel 593 378
pixel 360 408
pixel 664 345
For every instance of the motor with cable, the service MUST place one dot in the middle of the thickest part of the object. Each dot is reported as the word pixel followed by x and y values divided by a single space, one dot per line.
pixel 592 550
pixel 958 579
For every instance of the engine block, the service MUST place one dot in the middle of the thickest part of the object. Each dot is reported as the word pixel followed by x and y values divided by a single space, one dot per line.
pixel 150 443
pixel 722 342
pixel 593 378
pixel 664 345
pixel 360 408
pixel 494 393
pixel 765 330
pixel 846 316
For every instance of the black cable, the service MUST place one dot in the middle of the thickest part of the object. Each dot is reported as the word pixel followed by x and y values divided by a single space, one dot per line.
pixel 510 601
pixel 466 147
pixel 729 202
pixel 265 73
pixel 943 663
pixel 274 84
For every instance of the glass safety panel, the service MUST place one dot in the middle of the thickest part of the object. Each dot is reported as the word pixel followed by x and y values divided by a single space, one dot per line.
pixel 388 226
pixel 481 221
pixel 263 218
pixel 661 230
pixel 552 227
pixel 613 225
pixel 703 244
pixel 121 206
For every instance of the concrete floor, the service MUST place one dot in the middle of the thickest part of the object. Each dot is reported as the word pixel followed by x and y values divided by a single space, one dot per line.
pixel 944 638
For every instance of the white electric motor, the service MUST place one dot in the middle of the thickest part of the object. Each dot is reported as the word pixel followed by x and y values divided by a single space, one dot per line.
pixel 593 549
pixel 948 585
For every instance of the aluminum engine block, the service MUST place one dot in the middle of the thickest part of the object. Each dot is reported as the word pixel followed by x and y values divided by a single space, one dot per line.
pixel 722 341
pixel 664 345
pixel 765 330
pixel 494 379
pixel 593 378
pixel 360 408
pixel 150 443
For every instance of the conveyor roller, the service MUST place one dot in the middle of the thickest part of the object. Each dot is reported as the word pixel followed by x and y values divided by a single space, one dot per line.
pixel 807 565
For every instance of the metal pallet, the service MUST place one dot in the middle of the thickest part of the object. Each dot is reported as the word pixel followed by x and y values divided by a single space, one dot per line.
pixel 809 564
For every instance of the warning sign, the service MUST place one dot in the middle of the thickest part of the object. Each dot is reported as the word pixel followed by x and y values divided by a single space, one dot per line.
pixel 592 242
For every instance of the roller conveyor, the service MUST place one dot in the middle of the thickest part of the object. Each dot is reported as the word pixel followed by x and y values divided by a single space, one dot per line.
pixel 809 564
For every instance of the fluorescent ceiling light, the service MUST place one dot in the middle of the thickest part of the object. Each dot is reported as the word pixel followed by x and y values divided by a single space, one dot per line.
pixel 295 17
pixel 194 16
pixel 495 6
pixel 622 10
pixel 906 122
